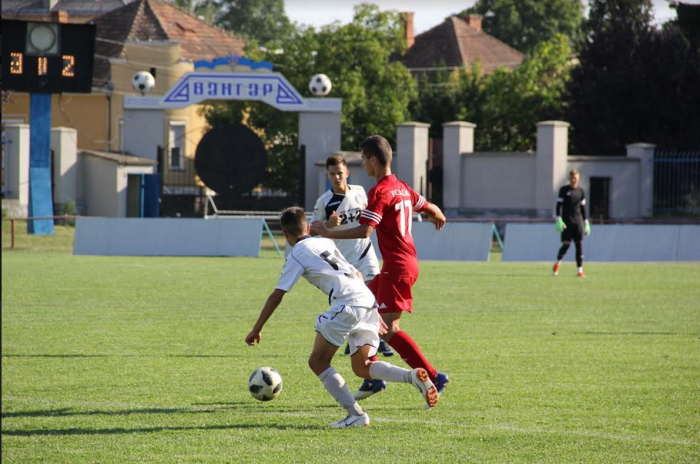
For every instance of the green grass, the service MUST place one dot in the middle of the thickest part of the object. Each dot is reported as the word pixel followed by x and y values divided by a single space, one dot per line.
pixel 61 241
pixel 125 359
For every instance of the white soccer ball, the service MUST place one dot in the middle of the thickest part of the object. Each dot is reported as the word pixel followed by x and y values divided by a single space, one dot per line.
pixel 143 82
pixel 265 384
pixel 320 85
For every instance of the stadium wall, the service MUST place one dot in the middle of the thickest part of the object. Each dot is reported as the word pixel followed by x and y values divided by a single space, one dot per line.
pixel 607 243
pixel 168 237
pixel 525 184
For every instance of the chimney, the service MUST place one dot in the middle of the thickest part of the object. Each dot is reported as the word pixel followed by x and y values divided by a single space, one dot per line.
pixel 474 21
pixel 49 4
pixel 408 28
pixel 59 16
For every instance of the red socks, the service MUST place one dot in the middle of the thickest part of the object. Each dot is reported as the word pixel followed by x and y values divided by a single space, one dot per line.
pixel 411 353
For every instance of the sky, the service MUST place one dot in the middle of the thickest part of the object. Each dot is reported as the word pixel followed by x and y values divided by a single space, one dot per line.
pixel 428 13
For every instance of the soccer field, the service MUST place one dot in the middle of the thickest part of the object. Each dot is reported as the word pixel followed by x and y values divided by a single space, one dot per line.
pixel 123 360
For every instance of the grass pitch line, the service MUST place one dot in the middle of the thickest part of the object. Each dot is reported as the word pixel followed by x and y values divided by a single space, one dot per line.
pixel 508 428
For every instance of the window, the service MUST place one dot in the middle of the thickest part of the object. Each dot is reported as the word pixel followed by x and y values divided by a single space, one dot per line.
pixel 176 142
pixel 599 198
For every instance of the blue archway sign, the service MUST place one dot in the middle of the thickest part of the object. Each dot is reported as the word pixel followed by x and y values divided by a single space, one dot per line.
pixel 271 88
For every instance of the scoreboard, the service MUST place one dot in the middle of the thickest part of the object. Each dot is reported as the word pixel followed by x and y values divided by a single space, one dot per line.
pixel 47 57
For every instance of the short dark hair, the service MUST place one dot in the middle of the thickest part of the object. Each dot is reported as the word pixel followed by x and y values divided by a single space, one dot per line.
pixel 378 147
pixel 293 220
pixel 336 161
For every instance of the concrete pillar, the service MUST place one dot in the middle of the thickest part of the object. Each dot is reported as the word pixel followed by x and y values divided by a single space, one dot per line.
pixel 645 153
pixel 320 134
pixel 550 164
pixel 412 154
pixel 457 138
pixel 17 167
pixel 64 143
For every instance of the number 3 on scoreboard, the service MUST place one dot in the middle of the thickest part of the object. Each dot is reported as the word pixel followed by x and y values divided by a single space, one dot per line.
pixel 405 209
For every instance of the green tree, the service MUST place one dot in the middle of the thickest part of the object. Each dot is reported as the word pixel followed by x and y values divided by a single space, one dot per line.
pixel 634 83
pixel 356 57
pixel 198 8
pixel 523 24
pixel 505 105
pixel 264 21
pixel 437 101
pixel 512 102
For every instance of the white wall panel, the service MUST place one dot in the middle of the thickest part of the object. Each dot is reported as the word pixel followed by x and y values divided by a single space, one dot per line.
pixel 168 237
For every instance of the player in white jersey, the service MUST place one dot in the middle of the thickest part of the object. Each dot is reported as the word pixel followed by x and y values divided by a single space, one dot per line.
pixel 340 208
pixel 352 314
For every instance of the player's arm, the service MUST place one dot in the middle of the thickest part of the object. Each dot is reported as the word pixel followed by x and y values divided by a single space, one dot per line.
pixel 333 221
pixel 273 301
pixel 435 215
pixel 586 224
pixel 361 231
pixel 559 225
pixel 369 218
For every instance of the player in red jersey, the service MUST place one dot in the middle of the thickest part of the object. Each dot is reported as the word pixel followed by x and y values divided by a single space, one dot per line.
pixel 390 208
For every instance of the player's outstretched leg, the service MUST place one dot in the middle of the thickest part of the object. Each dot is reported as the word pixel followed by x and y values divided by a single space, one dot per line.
pixel 421 380
pixel 579 258
pixel 562 251
pixel 417 377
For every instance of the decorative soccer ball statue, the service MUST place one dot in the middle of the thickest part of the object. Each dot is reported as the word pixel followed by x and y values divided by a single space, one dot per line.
pixel 320 85
pixel 143 82
pixel 265 384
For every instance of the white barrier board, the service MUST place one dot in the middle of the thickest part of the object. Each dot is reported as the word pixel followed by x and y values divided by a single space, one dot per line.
pixel 611 243
pixel 457 241
pixel 689 244
pixel 168 237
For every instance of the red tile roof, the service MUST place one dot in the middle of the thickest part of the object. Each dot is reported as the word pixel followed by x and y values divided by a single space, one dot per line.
pixel 455 44
pixel 157 20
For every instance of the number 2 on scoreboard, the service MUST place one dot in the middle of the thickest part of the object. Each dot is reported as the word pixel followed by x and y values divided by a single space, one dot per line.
pixel 405 209
pixel 68 64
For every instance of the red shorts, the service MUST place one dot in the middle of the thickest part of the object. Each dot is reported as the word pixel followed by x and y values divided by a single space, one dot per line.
pixel 393 293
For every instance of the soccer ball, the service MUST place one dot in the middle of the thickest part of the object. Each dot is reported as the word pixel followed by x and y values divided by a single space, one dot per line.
pixel 320 85
pixel 265 384
pixel 143 82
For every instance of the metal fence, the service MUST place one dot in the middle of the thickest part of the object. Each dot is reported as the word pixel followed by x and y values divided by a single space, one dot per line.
pixel 677 183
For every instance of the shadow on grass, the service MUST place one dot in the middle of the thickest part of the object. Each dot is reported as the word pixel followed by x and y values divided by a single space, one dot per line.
pixel 214 407
pixel 133 356
pixel 65 412
pixel 130 431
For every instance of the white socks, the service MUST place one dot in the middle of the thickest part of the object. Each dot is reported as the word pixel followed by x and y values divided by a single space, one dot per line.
pixel 336 386
pixel 384 371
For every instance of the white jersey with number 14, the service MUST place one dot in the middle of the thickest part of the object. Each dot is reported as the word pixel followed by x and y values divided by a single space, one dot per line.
pixel 318 260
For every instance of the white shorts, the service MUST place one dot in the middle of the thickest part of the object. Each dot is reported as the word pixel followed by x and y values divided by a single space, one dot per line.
pixel 368 265
pixel 358 324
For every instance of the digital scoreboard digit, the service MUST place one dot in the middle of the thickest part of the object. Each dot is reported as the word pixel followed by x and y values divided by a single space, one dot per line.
pixel 47 57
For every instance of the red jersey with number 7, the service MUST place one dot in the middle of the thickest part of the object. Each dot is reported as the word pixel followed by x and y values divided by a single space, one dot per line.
pixel 390 208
